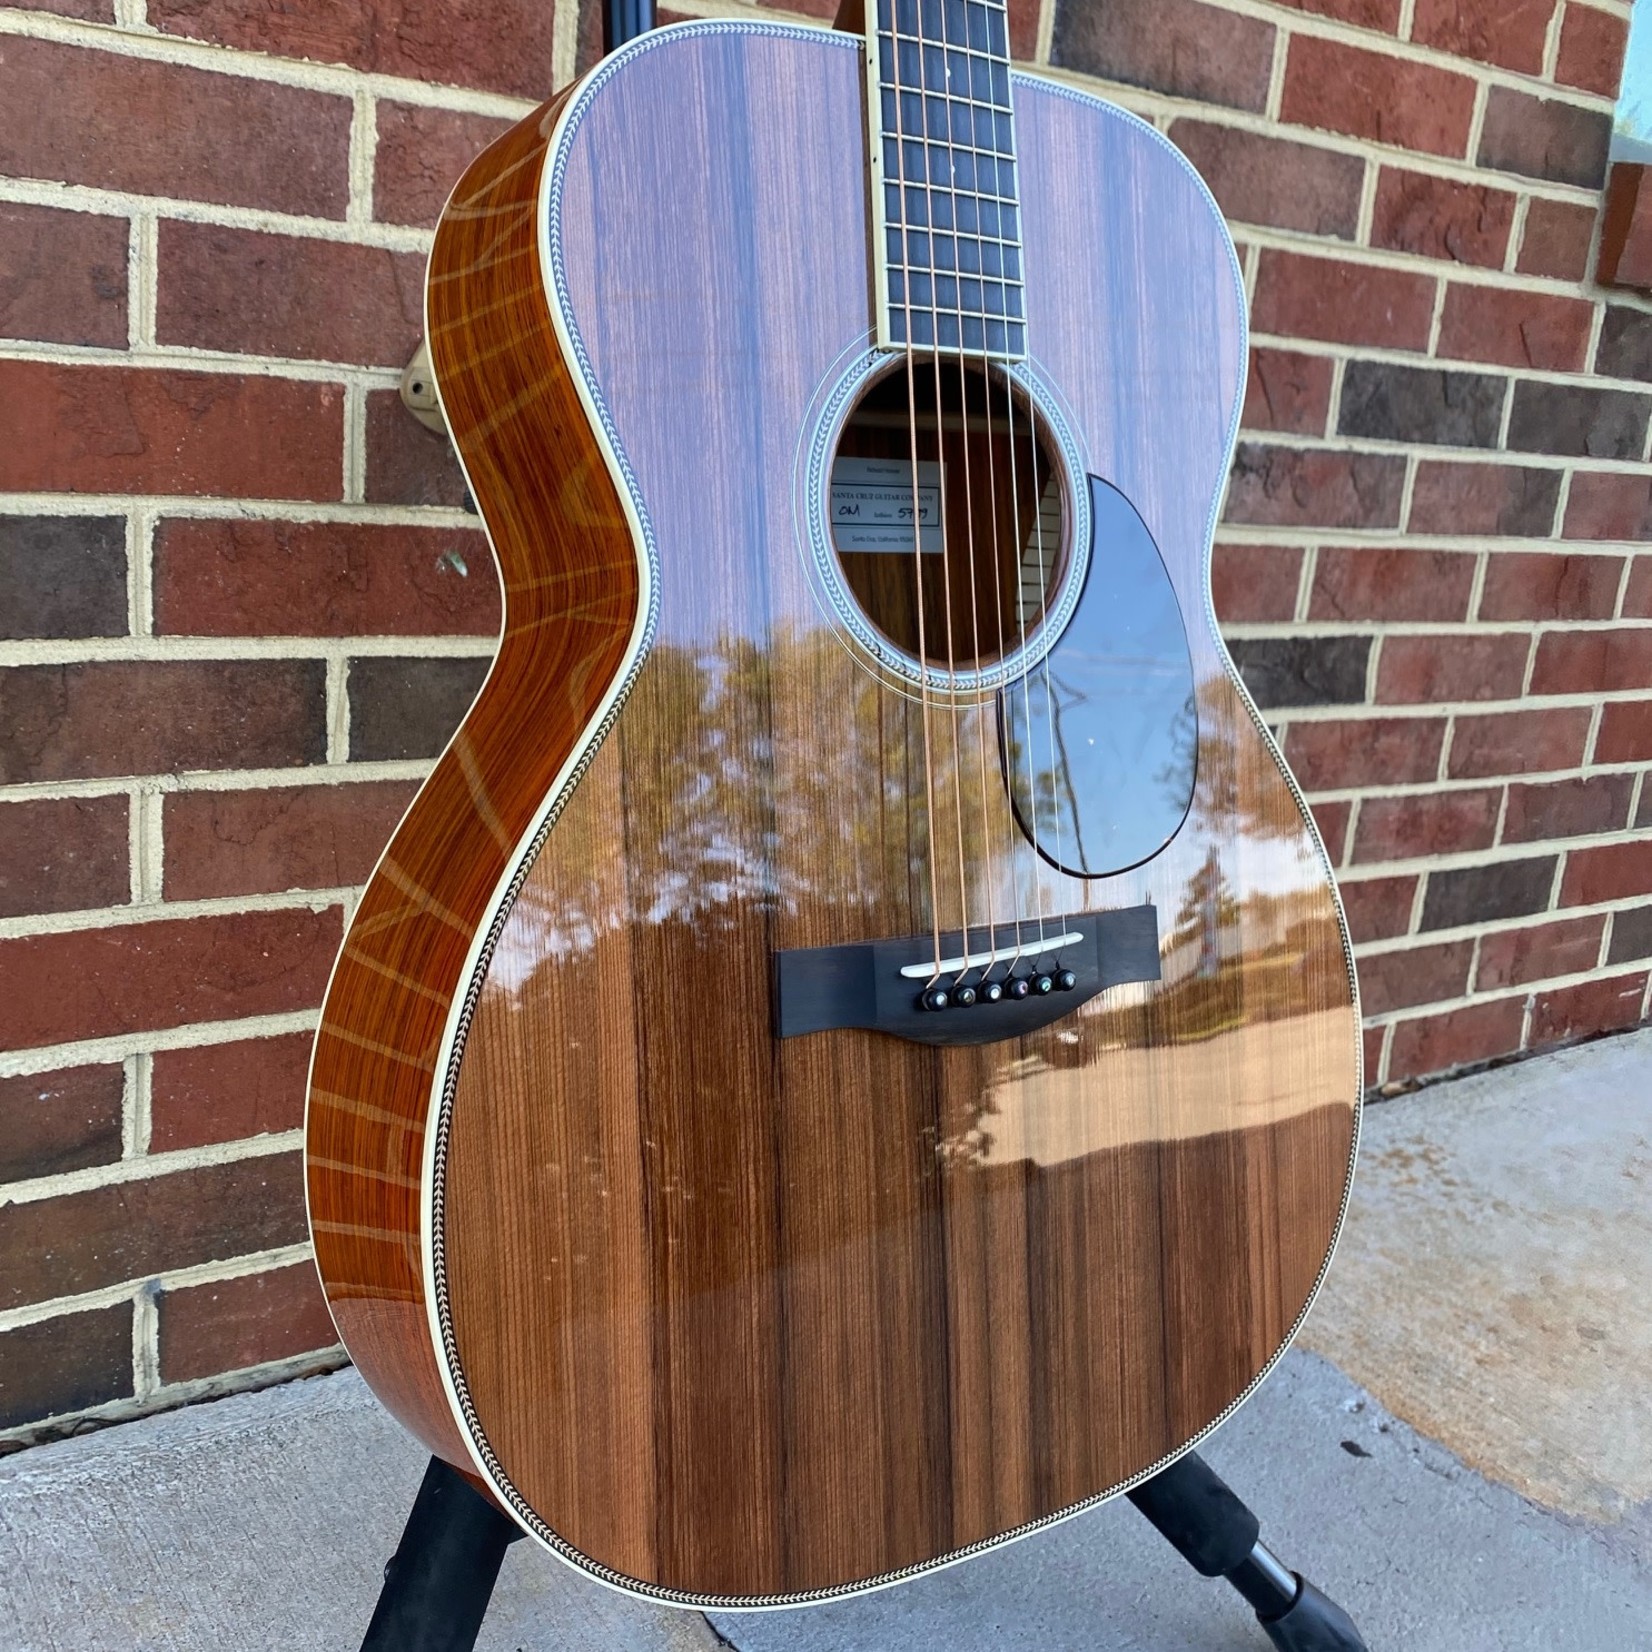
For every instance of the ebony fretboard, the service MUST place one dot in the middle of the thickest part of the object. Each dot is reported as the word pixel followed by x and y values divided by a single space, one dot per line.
pixel 944 177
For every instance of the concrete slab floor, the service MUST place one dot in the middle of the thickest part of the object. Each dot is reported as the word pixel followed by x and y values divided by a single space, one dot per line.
pixel 1498 1222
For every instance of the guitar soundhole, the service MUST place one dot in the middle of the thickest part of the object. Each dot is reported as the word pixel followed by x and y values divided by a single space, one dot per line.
pixel 991 506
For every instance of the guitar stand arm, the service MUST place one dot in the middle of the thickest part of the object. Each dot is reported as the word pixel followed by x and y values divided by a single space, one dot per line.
pixel 438 1582
pixel 1200 1517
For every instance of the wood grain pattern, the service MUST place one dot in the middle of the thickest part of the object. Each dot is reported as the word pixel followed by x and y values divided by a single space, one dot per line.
pixel 570 586
pixel 739 1319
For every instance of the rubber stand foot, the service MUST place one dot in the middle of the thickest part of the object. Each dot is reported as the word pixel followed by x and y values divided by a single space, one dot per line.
pixel 1313 1623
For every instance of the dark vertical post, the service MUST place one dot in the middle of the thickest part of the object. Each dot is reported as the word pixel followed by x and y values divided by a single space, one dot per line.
pixel 624 20
pixel 437 1584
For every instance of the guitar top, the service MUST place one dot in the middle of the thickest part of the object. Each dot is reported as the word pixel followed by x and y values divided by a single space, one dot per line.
pixel 853 1053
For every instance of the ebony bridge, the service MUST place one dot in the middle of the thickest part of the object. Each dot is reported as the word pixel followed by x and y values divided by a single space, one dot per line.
pixel 1029 975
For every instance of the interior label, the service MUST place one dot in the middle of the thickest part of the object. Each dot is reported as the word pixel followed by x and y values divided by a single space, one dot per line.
pixel 872 504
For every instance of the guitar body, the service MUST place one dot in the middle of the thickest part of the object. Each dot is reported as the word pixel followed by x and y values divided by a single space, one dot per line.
pixel 729 1317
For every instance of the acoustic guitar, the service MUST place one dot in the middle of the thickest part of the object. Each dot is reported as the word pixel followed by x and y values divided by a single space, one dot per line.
pixel 853 1054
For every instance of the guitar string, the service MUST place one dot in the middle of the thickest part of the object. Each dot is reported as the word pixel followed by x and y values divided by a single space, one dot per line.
pixel 1021 613
pixel 979 236
pixel 917 512
pixel 988 878
pixel 940 460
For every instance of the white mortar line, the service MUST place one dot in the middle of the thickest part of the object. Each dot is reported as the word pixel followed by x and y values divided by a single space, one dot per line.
pixel 238 650
pixel 103 1052
pixel 146 1351
pixel 301 73
pixel 338 711
pixel 364 139
pixel 38 925
pixel 361 772
pixel 203 1273
pixel 226 508
pixel 143 1103
pixel 76 197
pixel 148 1166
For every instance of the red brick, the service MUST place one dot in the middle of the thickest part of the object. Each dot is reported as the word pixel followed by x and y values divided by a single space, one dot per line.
pixel 1637 594
pixel 227 1092
pixel 1544 138
pixel 1518 742
pixel 499 46
pixel 1509 33
pixel 1455 499
pixel 1567 808
pixel 65 1120
pixel 231 1324
pixel 1441 218
pixel 78 1242
pixel 1518 329
pixel 1369 94
pixel 1363 14
pixel 69 1363
pixel 407 464
pixel 322 579
pixel 1381 751
pixel 1606 872
pixel 1590 662
pixel 1586 1008
pixel 1378 909
pixel 1331 818
pixel 62 276
pixel 291 837
pixel 1175 46
pixel 105 983
pixel 1255 583
pixel 90 11
pixel 63 576
pixel 1419 975
pixel 1514 957
pixel 96 429
pixel 1591 50
pixel 1438 823
pixel 1329 298
pixel 1625 732
pixel 1436 1043
pixel 244 292
pixel 1556 242
pixel 1263 180
pixel 63 722
pixel 1283 487
pixel 1422 670
pixel 420 156
pixel 1608 505
pixel 1353 583
pixel 1540 586
pixel 408 708
pixel 1288 391
pixel 88 117
pixel 63 855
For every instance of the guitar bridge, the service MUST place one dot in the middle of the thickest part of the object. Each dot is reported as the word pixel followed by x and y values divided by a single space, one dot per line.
pixel 986 988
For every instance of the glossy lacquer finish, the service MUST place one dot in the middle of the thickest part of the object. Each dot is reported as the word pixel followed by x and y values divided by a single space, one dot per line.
pixel 730 1317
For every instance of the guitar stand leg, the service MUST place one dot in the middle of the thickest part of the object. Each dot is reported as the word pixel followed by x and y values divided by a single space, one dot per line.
pixel 1219 1537
pixel 438 1582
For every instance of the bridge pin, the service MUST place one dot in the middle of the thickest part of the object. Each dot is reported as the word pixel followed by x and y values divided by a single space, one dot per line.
pixel 1066 980
pixel 991 991
pixel 963 996
pixel 937 998
pixel 1018 987
pixel 1043 985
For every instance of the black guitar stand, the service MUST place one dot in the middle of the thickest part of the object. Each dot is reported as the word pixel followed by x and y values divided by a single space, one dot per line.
pixel 438 1582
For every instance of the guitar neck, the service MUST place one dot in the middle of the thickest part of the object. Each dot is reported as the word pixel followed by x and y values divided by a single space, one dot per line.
pixel 947 248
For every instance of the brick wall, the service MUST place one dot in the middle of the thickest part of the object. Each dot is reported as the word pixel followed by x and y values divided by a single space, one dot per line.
pixel 245 605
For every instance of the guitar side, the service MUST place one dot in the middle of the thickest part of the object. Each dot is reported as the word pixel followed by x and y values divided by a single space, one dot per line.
pixel 720 1318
